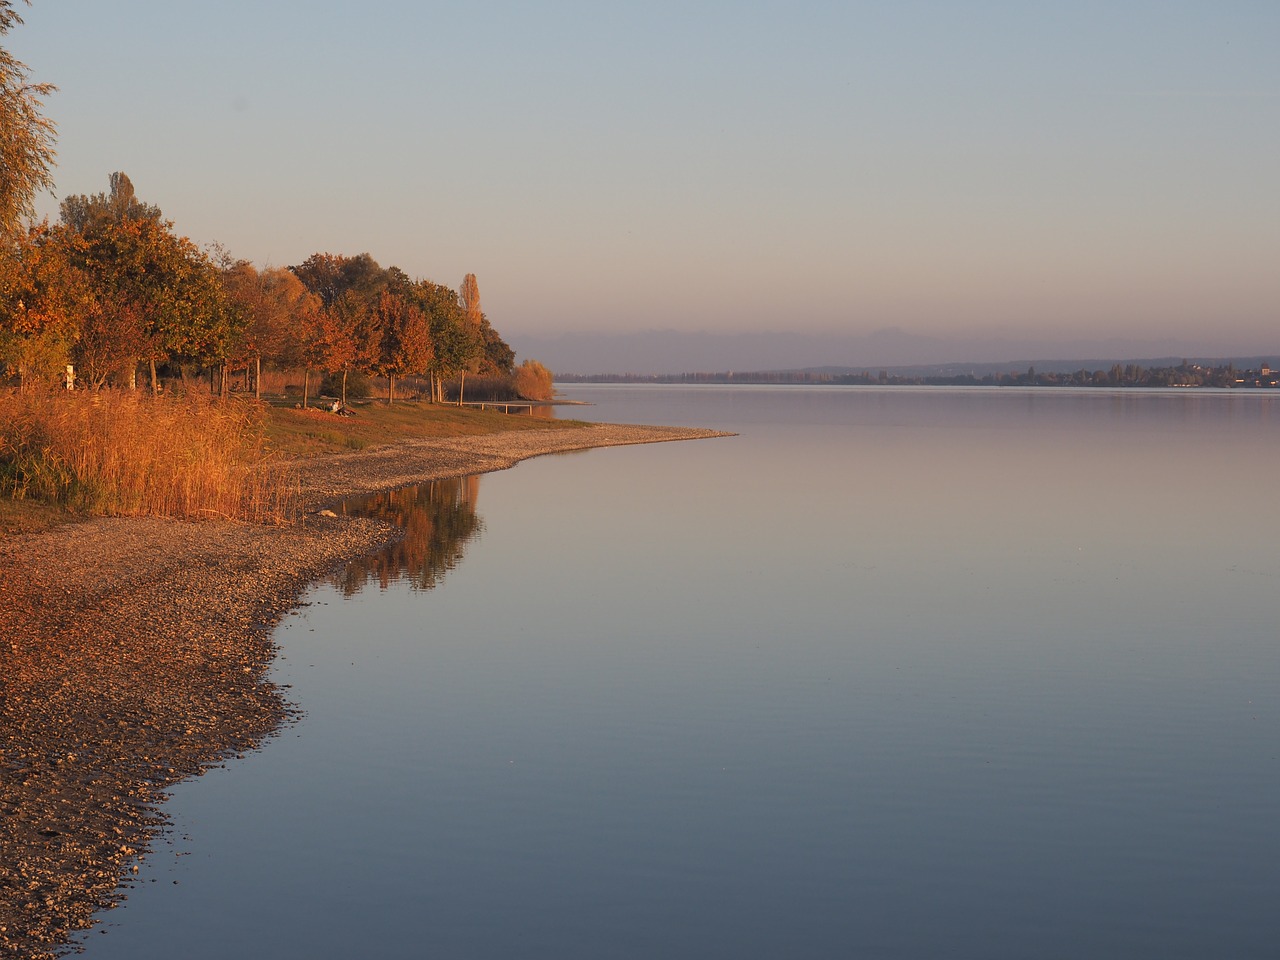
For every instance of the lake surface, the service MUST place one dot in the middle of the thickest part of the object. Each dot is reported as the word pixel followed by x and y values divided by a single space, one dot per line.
pixel 895 673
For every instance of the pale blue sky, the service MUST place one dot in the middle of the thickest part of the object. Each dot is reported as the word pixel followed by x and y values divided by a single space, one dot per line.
pixel 1050 170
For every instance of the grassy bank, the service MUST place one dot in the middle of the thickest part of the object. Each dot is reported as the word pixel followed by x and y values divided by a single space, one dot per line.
pixel 294 432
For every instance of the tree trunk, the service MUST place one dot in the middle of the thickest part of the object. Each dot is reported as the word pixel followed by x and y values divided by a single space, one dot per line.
pixel 344 388
pixel 257 377
pixel 306 384
pixel 155 384
pixel 391 388
pixel 462 386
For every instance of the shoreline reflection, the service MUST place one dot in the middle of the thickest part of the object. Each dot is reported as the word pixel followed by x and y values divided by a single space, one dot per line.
pixel 438 519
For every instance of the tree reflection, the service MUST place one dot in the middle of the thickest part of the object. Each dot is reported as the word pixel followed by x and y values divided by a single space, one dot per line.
pixel 438 519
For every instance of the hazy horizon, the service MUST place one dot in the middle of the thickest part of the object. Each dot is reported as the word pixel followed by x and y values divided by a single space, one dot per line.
pixel 985 173
pixel 666 352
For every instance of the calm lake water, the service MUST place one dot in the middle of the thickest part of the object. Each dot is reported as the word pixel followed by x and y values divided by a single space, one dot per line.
pixel 893 674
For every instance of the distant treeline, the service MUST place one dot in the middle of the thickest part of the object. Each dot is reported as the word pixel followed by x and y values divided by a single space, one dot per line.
pixel 1118 375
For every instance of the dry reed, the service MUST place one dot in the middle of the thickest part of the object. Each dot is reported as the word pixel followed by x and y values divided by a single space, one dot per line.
pixel 126 454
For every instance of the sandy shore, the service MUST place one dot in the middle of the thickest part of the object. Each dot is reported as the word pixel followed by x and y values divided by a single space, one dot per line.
pixel 133 655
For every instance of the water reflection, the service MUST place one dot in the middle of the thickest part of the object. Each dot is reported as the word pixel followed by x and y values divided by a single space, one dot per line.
pixel 438 518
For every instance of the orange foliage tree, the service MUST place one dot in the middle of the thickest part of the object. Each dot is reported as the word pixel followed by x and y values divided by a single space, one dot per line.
pixel 406 346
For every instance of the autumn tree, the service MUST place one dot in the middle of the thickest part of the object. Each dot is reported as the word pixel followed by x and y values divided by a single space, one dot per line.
pixel 357 322
pixel 42 296
pixel 271 305
pixel 470 337
pixel 332 276
pixel 485 351
pixel 533 381
pixel 312 339
pixel 82 212
pixel 455 349
pixel 406 346
pixel 140 268
pixel 469 296
pixel 27 137
pixel 351 289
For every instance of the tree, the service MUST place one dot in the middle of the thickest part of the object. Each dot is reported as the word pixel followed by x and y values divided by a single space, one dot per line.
pixel 351 289
pixel 314 339
pixel 330 276
pixel 358 325
pixel 271 305
pixel 140 266
pixel 406 340
pixel 455 348
pixel 111 339
pixel 82 212
pixel 490 355
pixel 42 295
pixel 471 336
pixel 27 137
pixel 498 359
pixel 469 296
pixel 533 381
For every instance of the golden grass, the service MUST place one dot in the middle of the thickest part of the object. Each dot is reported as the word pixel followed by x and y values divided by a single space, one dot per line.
pixel 126 454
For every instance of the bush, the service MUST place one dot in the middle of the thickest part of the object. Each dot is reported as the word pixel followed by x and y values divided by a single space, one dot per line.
pixel 533 381
pixel 359 386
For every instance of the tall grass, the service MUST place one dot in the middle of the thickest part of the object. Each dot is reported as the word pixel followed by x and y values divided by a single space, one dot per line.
pixel 126 454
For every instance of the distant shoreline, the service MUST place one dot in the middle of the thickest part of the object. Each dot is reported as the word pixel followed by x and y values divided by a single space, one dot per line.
pixel 136 656
pixel 1255 373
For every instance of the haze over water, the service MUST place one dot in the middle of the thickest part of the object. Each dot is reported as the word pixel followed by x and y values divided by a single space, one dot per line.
pixel 893 673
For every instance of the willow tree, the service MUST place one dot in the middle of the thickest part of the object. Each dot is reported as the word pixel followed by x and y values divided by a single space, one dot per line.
pixel 26 135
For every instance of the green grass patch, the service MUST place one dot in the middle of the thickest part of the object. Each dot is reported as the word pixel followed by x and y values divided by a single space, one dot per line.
pixel 291 431
pixel 29 516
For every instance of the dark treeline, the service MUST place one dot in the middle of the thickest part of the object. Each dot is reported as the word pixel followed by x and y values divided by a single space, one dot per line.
pixel 1184 374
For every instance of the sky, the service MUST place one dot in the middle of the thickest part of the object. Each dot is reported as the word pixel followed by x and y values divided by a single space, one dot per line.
pixel 1050 173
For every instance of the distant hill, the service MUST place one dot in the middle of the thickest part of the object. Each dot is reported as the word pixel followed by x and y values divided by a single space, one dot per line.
pixel 667 352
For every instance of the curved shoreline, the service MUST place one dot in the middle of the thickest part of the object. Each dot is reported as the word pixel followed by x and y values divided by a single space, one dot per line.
pixel 133 654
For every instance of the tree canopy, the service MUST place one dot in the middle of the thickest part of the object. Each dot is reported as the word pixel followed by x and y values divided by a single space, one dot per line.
pixel 27 136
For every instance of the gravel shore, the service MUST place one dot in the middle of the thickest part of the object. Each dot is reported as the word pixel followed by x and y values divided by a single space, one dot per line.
pixel 133 655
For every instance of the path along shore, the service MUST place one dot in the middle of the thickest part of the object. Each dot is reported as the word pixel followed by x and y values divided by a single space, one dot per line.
pixel 133 654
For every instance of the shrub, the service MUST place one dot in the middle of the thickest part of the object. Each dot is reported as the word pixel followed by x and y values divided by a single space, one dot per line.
pixel 359 386
pixel 533 381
